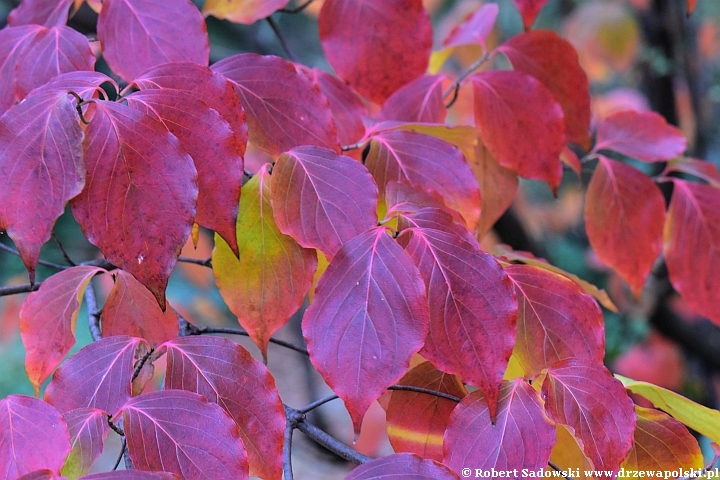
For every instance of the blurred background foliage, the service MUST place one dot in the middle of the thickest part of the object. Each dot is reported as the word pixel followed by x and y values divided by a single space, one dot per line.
pixel 640 54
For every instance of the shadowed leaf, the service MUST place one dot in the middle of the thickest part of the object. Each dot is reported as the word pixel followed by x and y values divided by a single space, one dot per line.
pixel 420 101
pixel 88 430
pixel 40 12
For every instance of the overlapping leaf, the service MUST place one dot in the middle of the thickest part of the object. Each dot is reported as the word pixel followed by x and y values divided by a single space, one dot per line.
pixel 47 320
pixel 401 465
pixel 268 282
pixel 88 430
pixel 180 432
pixel 322 199
pixel 13 41
pixel 44 474
pixel 41 167
pixel 139 201
pixel 529 143
pixel 585 397
pixel 624 218
pixel 529 9
pixel 131 310
pixel 216 152
pixel 702 419
pixel 554 61
pixel 556 320
pixel 691 253
pixel 98 376
pixel 521 437
pixel 242 11
pixel 33 436
pixel 422 432
pixel 85 84
pixel 643 135
pixel 698 168
pixel 472 308
pixel 53 51
pixel 403 197
pixel 131 475
pixel 40 12
pixel 225 373
pixel 369 317
pixel 366 41
pixel 284 109
pixel 475 29
pixel 661 443
pixel 142 27
pixel 427 163
pixel 418 101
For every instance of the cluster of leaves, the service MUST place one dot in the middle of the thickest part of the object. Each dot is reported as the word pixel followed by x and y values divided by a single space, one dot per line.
pixel 383 241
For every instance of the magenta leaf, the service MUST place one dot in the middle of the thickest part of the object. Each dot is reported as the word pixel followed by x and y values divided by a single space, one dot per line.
pixel 475 29
pixel 180 432
pixel 418 101
pixel 13 41
pixel 585 397
pixel 88 430
pixel 521 437
pixel 407 466
pixel 139 201
pixel 144 26
pixel 48 13
pixel 131 475
pixel 368 318
pixel 33 436
pixel 225 373
pixel 98 376
pixel 322 199
pixel 284 108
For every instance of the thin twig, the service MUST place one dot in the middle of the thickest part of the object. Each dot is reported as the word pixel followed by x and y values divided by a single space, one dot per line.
pixel 62 250
pixel 93 312
pixel 40 262
pixel 239 331
pixel 466 73
pixel 197 261
pixel 287 450
pixel 281 38
pixel 15 289
pixel 114 427
pixel 248 173
pixel 141 363
pixel 558 469
pixel 122 454
pixel 312 406
pixel 410 388
pixel 293 11
pixel 354 146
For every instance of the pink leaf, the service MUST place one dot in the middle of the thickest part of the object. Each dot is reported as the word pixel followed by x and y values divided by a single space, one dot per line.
pixel 375 45
pixel 180 432
pixel 368 318
pixel 144 27
pixel 13 41
pixel 645 136
pixel 225 373
pixel 475 28
pixel 520 438
pixel 529 9
pixel 48 13
pixel 33 436
pixel 322 199
pixel 418 101
pixel 88 430
pixel 131 475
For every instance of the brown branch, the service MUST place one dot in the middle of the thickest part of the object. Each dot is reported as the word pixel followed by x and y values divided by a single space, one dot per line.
pixel 465 73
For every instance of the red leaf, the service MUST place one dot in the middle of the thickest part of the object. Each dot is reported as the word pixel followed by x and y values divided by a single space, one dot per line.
pixel 553 60
pixel 368 318
pixel 521 437
pixel 624 217
pixel 41 167
pixel 225 373
pixel 556 320
pixel 210 141
pixel 418 101
pixel 47 320
pixel 475 28
pixel 498 186
pixel 44 474
pixel 529 143
pixel 584 396
pixel 131 310
pixel 529 9
pixel 645 136
pixel 53 51
pixel 48 13
pixel 88 430
pixel 346 107
pixel 267 283
pixel 691 251
pixel 691 6
pixel 131 475
pixel 139 200
pixel 242 11
pixel 13 41
pixel 179 432
pixel 284 109
pixel 322 199
pixel 422 432
pixel 472 308
pixel 366 41
pixel 702 169
pixel 98 376
pixel 401 465
pixel 33 437
pixel 144 25
pixel 427 163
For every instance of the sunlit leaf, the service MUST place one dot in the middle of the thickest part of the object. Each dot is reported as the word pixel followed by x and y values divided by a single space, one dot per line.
pixel 242 11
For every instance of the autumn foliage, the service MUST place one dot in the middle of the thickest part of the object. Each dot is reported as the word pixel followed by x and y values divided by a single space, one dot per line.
pixel 372 208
